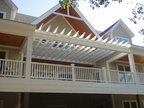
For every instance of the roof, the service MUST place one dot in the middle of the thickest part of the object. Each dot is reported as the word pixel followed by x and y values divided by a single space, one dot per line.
pixel 113 26
pixel 108 29
pixel 24 18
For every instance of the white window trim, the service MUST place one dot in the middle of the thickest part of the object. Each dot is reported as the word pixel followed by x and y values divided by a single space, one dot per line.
pixel 4 14
pixel 121 38
pixel 129 102
pixel 126 65
pixel 6 51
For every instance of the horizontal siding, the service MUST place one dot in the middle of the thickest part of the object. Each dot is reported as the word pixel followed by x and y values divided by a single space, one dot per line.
pixel 5 8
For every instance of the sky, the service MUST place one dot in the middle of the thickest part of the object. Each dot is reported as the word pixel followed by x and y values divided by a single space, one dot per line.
pixel 100 18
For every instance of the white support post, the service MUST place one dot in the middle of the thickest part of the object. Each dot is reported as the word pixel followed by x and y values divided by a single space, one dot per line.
pixel 105 75
pixel 21 67
pixel 132 67
pixel 28 57
pixel 108 72
pixel 73 73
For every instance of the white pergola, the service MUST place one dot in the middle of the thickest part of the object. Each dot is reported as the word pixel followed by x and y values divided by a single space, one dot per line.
pixel 73 48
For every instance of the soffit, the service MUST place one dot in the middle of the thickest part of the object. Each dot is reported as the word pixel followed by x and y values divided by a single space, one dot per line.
pixel 137 59
pixel 11 40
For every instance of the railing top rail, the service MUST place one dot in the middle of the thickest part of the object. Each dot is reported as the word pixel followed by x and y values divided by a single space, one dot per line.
pixel 50 64
pixel 88 68
pixel 10 60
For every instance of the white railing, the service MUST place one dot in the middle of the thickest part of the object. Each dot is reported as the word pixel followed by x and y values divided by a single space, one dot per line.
pixel 89 74
pixel 120 76
pixel 141 77
pixel 51 71
pixel 10 68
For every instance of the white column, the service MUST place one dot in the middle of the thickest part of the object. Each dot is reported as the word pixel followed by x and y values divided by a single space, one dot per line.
pixel 132 67
pixel 73 73
pixel 28 57
pixel 105 76
pixel 108 72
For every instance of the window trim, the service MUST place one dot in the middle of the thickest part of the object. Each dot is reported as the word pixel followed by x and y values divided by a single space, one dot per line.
pixel 122 38
pixel 4 14
pixel 129 102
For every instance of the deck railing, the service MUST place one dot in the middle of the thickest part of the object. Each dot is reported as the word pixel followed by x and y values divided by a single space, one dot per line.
pixel 11 68
pixel 117 76
pixel 51 71
pixel 14 68
pixel 141 77
pixel 90 74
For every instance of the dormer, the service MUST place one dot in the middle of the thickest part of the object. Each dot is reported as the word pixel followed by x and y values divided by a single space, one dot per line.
pixel 118 31
pixel 8 9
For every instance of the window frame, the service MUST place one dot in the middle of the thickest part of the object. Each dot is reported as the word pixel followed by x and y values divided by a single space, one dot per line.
pixel 129 101
pixel 4 14
pixel 122 39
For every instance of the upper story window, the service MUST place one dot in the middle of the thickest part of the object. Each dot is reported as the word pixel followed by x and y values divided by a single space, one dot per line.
pixel 120 39
pixel 2 15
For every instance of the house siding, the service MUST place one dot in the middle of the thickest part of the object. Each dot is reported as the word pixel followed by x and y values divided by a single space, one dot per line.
pixel 61 23
pixel 5 8
pixel 121 32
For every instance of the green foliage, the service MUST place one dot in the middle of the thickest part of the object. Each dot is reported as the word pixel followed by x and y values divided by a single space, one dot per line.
pixel 67 3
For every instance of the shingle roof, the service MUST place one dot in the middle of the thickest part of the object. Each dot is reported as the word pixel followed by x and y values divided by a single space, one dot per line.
pixel 24 18
pixel 109 28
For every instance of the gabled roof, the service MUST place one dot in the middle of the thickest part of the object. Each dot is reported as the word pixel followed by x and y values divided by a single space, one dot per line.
pixel 24 18
pixel 72 15
pixel 113 26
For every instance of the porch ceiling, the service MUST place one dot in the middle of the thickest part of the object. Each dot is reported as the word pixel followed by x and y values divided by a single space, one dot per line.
pixel 11 40
pixel 137 59
pixel 58 51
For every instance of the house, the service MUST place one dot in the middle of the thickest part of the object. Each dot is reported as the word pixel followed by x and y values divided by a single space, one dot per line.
pixel 59 60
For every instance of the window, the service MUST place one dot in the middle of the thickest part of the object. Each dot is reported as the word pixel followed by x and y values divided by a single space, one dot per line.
pixel 61 45
pixel 2 15
pixel 120 39
pixel 130 104
pixel 124 74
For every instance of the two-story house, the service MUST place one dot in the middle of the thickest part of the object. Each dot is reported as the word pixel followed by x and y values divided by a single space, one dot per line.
pixel 59 60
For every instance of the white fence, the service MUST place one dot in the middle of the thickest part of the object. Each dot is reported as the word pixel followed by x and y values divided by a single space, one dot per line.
pixel 10 68
pixel 141 77
pixel 89 74
pixel 116 76
pixel 13 68
pixel 51 71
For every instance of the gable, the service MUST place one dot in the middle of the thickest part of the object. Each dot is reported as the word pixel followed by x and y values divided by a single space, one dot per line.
pixel 72 16
pixel 60 22
pixel 121 32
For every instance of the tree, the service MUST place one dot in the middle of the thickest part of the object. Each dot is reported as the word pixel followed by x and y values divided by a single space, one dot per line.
pixel 137 11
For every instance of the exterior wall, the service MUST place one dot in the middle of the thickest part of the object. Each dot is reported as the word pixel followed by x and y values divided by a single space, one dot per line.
pixel 119 98
pixel 13 54
pixel 60 22
pixel 5 8
pixel 102 63
pixel 121 32
pixel 113 66
pixel 10 100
